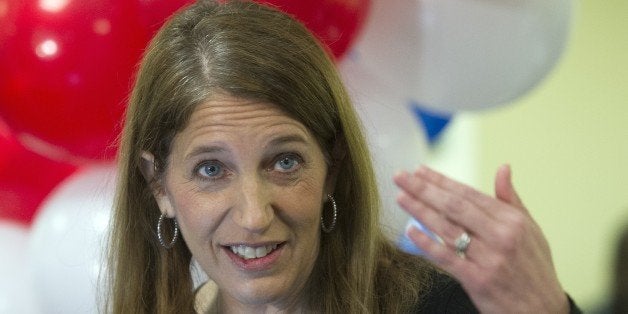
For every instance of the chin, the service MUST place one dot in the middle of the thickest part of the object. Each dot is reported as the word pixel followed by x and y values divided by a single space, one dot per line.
pixel 265 291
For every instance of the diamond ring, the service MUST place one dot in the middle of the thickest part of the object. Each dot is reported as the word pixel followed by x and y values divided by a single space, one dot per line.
pixel 462 244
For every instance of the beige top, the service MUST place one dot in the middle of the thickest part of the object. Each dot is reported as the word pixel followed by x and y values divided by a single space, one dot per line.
pixel 206 297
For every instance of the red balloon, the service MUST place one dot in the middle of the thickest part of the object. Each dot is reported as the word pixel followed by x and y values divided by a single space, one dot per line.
pixel 68 66
pixel 26 178
pixel 336 23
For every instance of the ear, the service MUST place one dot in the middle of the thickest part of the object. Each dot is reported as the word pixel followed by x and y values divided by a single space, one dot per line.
pixel 338 153
pixel 147 167
pixel 149 171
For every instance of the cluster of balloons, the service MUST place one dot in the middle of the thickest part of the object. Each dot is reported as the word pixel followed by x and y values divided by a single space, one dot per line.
pixel 68 66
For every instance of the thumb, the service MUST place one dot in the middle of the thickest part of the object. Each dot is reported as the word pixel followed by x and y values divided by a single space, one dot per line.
pixel 504 190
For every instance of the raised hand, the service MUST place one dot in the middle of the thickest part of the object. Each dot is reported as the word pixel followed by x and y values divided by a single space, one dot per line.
pixel 491 245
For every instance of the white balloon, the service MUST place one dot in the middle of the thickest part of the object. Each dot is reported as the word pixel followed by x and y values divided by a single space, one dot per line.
pixel 395 137
pixel 16 293
pixel 67 241
pixel 463 54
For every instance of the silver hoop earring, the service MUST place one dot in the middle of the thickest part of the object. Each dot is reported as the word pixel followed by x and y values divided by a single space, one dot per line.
pixel 335 215
pixel 161 238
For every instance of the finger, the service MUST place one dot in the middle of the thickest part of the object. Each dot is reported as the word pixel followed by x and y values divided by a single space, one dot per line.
pixel 435 222
pixel 443 257
pixel 504 189
pixel 481 200
pixel 444 231
pixel 427 201
pixel 437 252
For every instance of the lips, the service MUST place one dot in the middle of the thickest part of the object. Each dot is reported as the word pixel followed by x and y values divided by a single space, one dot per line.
pixel 254 257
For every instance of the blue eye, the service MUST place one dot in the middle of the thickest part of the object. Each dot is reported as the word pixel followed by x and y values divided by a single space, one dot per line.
pixel 210 170
pixel 287 163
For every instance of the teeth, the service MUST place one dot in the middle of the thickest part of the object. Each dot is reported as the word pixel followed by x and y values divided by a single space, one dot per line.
pixel 261 252
pixel 248 252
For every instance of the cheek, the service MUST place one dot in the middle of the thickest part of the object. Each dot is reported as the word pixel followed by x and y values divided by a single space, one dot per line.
pixel 197 215
pixel 302 203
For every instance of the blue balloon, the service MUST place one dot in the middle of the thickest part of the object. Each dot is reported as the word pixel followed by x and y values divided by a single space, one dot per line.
pixel 433 122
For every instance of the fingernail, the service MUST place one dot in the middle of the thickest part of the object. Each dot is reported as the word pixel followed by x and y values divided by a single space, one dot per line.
pixel 439 239
pixel 422 170
pixel 401 175
pixel 415 226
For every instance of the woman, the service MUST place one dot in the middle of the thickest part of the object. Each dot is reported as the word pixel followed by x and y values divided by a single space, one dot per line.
pixel 240 136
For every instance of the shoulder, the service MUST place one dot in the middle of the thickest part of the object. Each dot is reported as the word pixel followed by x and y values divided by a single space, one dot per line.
pixel 445 295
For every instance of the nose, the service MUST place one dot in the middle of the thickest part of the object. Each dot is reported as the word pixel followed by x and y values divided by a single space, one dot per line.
pixel 254 211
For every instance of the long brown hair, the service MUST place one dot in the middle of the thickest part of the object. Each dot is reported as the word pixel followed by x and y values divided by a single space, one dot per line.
pixel 254 52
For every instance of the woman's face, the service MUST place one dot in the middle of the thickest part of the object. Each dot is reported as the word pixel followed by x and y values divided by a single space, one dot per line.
pixel 246 184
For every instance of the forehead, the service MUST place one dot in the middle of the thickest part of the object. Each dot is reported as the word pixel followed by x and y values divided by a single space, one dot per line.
pixel 228 118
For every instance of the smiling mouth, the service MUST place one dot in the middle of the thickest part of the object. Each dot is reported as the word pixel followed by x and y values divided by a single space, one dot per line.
pixel 248 252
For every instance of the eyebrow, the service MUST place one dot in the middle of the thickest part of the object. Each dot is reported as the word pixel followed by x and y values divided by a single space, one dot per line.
pixel 204 150
pixel 292 138
pixel 287 139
